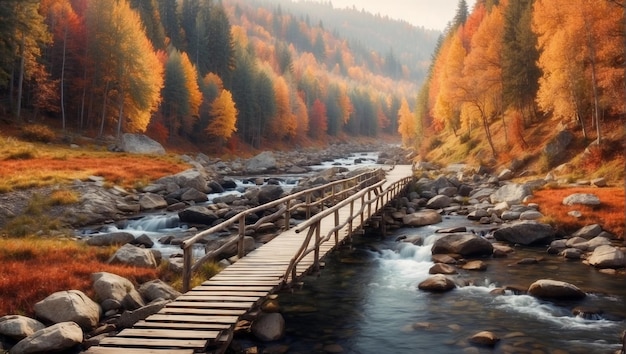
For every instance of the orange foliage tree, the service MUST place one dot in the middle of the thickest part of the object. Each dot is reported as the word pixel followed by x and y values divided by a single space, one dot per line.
pixel 407 125
pixel 318 122
pixel 224 117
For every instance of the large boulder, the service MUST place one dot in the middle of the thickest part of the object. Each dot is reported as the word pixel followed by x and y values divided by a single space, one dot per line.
pixel 556 148
pixel 56 338
pixel 158 289
pixel 526 233
pixel 19 327
pixel 607 256
pixel 72 305
pixel 152 201
pixel 113 238
pixel 439 202
pixel 422 218
pixel 269 193
pixel 588 232
pixel 511 193
pixel 198 214
pixel 465 244
pixel 437 283
pixel 269 327
pixel 134 256
pixel 262 162
pixel 140 144
pixel 554 289
pixel 112 286
pixel 582 199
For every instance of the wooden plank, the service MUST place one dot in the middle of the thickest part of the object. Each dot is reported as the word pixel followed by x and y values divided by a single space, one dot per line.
pixel 242 283
pixel 218 292
pixel 202 297
pixel 221 305
pixel 111 350
pixel 182 325
pixel 193 318
pixel 199 311
pixel 168 333
pixel 153 342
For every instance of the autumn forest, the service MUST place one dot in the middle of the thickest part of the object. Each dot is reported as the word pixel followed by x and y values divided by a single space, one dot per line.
pixel 232 72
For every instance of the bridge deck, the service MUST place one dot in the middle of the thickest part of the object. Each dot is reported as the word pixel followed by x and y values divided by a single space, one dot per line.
pixel 203 318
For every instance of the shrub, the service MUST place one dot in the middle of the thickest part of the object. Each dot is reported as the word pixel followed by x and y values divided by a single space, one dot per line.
pixel 63 197
pixel 38 133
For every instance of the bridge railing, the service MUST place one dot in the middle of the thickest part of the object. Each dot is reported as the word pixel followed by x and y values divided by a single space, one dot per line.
pixel 309 200
pixel 372 199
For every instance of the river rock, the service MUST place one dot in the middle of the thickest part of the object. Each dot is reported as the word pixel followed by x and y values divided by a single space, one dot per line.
pixel 597 242
pixel 441 268
pixel 443 258
pixel 554 289
pixel 19 327
pixel 56 338
pixel 511 193
pixel 269 193
pixel 113 238
pixel 143 240
pixel 134 256
pixel 140 144
pixel 188 179
pixel 526 233
pixel 269 327
pixel 158 289
pixel 484 338
pixel 571 253
pixel 581 198
pixel 72 305
pixel 437 283
pixel 112 286
pixel 531 215
pixel 262 162
pixel 422 218
pixel 439 202
pixel 475 265
pixel 588 232
pixel 607 256
pixel 193 195
pixel 152 201
pixel 198 215
pixel 465 244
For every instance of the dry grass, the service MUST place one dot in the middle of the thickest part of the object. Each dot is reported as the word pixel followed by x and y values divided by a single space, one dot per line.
pixel 33 268
pixel 610 214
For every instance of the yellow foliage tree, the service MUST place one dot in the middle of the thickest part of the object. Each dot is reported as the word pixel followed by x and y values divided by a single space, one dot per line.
pixel 195 95
pixel 284 124
pixel 407 125
pixel 223 116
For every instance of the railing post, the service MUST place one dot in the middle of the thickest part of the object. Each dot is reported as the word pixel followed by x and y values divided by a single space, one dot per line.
pixel 351 214
pixel 336 223
pixel 308 205
pixel 187 252
pixel 316 263
pixel 242 233
pixel 287 214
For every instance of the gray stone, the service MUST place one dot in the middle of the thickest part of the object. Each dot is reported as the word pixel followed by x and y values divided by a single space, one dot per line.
pixel 599 182
pixel 510 215
pixel 158 289
pixel 505 175
pixel 531 215
pixel 478 214
pixel 19 327
pixel 135 256
pixel 113 238
pixel 607 256
pixel 526 233
pixel 140 144
pixel 597 242
pixel 484 338
pixel 512 193
pixel 143 240
pixel 194 195
pixel 151 201
pixel 72 305
pixel 269 327
pixel 465 244
pixel 197 215
pixel 439 202
pixel 422 218
pixel 581 198
pixel 571 253
pixel 588 232
pixel 556 147
pixel 269 193
pixel 554 289
pixel 59 337
pixel 261 163
pixel 437 283
pixel 111 286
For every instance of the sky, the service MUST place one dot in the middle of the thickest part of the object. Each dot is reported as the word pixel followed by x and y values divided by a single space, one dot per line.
pixel 432 14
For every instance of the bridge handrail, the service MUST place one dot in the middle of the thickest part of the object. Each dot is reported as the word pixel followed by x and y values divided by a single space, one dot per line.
pixel 313 224
pixel 346 186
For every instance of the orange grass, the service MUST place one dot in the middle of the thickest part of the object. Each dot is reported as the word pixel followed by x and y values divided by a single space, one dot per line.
pixel 610 214
pixel 33 268
pixel 120 169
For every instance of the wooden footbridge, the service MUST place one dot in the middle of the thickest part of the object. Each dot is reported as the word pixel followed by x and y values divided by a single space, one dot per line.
pixel 202 320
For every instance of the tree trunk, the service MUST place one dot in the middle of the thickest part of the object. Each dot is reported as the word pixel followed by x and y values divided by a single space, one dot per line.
pixel 104 109
pixel 121 115
pixel 20 84
pixel 62 83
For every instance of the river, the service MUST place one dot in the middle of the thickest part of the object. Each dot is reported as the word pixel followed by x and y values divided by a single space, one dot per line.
pixel 366 301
